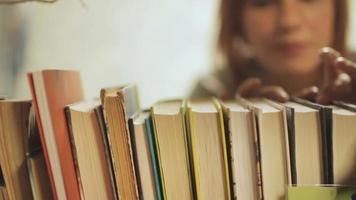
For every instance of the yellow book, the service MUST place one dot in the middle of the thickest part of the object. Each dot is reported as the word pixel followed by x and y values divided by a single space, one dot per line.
pixel 208 148
pixel 170 135
pixel 324 192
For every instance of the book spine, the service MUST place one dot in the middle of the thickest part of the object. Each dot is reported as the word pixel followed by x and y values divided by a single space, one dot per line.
pixel 291 140
pixel 40 129
pixel 191 156
pixel 74 150
pixel 157 150
pixel 223 139
pixel 134 155
pixel 255 122
pixel 129 110
pixel 230 159
pixel 326 124
pixel 109 144
pixel 186 146
pixel 107 147
pixel 154 157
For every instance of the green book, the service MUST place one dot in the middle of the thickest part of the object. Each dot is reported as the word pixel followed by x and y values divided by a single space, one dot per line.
pixel 154 158
pixel 324 192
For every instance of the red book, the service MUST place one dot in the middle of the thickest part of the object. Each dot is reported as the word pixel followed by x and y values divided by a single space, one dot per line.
pixel 51 91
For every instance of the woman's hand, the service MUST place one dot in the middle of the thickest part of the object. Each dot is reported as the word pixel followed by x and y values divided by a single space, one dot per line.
pixel 339 78
pixel 253 87
pixel 338 84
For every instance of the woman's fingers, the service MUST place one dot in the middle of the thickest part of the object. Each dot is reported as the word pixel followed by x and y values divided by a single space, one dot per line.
pixel 328 57
pixel 324 98
pixel 334 82
pixel 347 67
pixel 252 87
pixel 249 88
pixel 309 93
pixel 275 93
pixel 339 89
pixel 339 81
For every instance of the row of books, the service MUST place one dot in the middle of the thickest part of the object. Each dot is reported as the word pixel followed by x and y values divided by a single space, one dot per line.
pixel 61 146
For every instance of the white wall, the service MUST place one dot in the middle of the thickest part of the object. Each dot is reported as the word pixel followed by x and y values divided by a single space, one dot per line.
pixel 352 27
pixel 161 45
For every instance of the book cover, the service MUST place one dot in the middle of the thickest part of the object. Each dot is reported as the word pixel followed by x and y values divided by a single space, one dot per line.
pixel 119 103
pixel 313 192
pixel 51 91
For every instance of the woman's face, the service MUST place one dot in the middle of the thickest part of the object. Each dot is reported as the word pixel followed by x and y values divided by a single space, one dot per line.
pixel 286 35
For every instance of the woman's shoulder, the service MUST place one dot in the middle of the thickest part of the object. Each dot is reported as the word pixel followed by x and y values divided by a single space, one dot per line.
pixel 224 80
pixel 351 56
pixel 218 83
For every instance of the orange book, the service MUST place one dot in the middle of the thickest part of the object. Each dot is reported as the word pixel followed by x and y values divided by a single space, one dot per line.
pixel 52 90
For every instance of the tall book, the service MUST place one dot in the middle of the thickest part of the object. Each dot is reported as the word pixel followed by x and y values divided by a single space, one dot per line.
pixel 343 145
pixel 306 143
pixel 13 131
pixel 241 135
pixel 172 149
pixel 208 147
pixel 51 91
pixel 119 103
pixel 273 148
pixel 88 141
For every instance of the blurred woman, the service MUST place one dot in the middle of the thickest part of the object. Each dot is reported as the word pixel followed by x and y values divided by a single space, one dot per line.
pixel 274 48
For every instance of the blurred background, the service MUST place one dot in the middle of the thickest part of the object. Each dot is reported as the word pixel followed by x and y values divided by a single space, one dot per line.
pixel 161 45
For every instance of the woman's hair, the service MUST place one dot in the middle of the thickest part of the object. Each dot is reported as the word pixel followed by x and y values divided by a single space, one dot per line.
pixel 231 30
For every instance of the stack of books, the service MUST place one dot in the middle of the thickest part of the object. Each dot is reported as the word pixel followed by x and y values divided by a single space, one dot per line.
pixel 61 146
